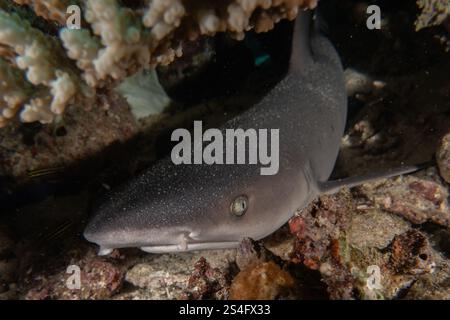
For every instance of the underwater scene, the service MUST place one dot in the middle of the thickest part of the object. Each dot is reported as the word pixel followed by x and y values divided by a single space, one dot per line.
pixel 224 150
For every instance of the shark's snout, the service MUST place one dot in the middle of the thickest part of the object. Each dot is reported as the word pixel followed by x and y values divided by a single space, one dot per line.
pixel 91 235
pixel 95 233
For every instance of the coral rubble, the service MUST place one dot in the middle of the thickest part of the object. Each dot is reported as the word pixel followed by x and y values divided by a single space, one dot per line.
pixel 206 282
pixel 344 238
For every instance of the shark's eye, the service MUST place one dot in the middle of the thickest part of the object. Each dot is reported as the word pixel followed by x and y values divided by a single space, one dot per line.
pixel 239 205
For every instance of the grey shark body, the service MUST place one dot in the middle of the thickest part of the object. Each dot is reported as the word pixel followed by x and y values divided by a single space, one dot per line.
pixel 172 208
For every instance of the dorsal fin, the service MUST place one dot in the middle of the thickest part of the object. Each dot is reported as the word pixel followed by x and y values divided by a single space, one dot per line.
pixel 301 53
pixel 333 186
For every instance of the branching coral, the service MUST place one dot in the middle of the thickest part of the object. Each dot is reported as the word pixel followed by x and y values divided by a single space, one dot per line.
pixel 434 12
pixel 118 39
pixel 14 91
pixel 49 9
pixel 42 59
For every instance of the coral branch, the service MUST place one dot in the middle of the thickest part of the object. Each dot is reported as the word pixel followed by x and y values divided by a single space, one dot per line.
pixel 45 65
pixel 434 12
pixel 49 9
pixel 14 91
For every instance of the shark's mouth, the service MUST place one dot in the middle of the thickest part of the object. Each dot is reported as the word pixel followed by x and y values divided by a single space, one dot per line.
pixel 190 247
pixel 170 248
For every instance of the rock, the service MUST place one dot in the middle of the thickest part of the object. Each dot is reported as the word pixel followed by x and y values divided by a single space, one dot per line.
pixel 8 260
pixel 262 281
pixel 375 228
pixel 434 286
pixel 206 283
pixel 264 275
pixel 443 237
pixel 418 199
pixel 166 276
pixel 160 283
pixel 408 259
pixel 281 243
pixel 135 294
pixel 99 279
pixel 318 225
pixel 411 254
pixel 251 252
pixel 443 157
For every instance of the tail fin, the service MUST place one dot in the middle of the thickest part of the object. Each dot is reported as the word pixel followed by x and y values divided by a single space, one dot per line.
pixel 333 186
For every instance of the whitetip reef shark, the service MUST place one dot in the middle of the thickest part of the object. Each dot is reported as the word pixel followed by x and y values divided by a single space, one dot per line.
pixel 175 208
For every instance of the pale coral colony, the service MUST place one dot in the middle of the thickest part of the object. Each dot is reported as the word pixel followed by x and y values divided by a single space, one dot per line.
pixel 46 66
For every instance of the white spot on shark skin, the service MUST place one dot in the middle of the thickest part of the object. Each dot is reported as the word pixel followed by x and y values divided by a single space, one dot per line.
pixel 104 251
